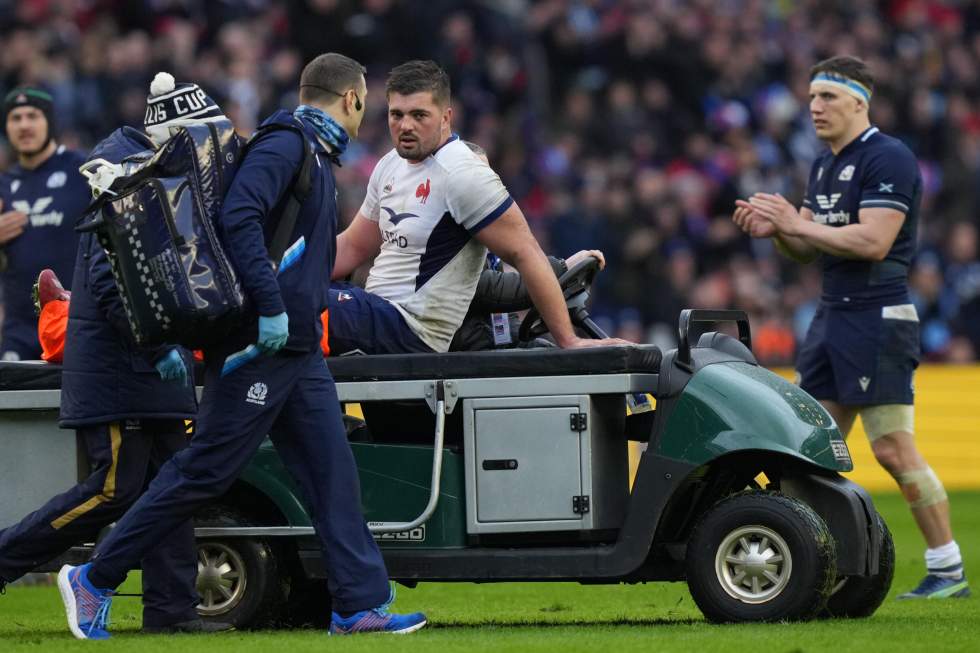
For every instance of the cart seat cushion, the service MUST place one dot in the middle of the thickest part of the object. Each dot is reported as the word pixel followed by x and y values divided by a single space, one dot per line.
pixel 38 375
pixel 29 375
pixel 498 363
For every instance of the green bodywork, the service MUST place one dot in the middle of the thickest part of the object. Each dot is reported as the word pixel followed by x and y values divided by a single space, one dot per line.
pixel 725 408
pixel 267 474
pixel 395 481
pixel 728 407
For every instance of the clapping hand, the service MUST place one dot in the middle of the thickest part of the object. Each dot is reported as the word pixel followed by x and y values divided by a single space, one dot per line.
pixel 12 224
pixel 776 210
pixel 751 222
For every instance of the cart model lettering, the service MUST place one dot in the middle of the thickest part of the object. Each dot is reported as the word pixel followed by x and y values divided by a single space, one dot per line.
pixel 414 535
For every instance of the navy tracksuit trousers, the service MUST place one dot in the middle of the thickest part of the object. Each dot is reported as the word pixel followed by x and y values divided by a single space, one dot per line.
pixel 292 398
pixel 122 456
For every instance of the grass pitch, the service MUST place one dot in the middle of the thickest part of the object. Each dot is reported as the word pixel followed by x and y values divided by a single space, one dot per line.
pixel 523 617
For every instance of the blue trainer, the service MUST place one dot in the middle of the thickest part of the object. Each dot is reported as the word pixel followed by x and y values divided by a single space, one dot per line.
pixel 377 620
pixel 87 607
pixel 938 587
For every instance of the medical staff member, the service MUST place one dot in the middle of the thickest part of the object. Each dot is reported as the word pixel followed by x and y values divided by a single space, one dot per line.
pixel 128 407
pixel 859 218
pixel 287 393
pixel 41 198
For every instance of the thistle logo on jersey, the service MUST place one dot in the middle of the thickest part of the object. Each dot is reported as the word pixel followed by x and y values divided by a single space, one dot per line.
pixel 422 192
pixel 846 174
pixel 257 393
pixel 57 179
pixel 828 202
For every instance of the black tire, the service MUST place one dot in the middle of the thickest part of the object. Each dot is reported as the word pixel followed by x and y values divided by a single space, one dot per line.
pixel 238 577
pixel 856 597
pixel 308 606
pixel 797 562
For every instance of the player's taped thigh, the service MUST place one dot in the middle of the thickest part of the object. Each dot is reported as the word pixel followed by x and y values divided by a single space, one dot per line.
pixel 921 487
pixel 886 419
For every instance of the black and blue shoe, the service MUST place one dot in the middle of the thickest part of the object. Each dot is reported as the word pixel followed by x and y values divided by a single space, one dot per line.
pixel 939 587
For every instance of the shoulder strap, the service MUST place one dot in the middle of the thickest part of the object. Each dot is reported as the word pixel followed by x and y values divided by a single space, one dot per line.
pixel 299 188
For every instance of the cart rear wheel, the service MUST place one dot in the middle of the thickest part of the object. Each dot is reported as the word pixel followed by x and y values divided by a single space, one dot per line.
pixel 238 578
pixel 760 556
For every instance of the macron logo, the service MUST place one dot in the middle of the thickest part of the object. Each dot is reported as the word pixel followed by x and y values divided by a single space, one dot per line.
pixel 828 202
pixel 256 394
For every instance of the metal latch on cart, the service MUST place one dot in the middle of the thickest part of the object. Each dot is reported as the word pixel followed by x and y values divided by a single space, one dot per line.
pixel 580 504
pixel 449 392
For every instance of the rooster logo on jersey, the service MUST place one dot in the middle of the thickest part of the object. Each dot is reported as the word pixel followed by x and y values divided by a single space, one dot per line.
pixel 422 192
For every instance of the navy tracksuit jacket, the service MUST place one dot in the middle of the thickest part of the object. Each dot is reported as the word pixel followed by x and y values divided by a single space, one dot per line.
pixel 130 421
pixel 290 396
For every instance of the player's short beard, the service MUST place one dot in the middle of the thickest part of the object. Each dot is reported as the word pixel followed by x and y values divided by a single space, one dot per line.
pixel 419 153
pixel 41 148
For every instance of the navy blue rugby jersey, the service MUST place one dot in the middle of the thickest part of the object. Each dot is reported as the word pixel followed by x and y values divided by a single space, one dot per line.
pixel 872 171
pixel 53 195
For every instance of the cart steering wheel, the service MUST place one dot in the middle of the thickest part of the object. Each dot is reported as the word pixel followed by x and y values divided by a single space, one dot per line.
pixel 576 284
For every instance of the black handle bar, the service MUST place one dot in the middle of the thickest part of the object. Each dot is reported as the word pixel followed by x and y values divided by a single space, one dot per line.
pixel 692 315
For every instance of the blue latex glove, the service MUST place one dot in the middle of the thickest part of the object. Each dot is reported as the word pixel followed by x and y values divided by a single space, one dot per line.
pixel 171 367
pixel 273 333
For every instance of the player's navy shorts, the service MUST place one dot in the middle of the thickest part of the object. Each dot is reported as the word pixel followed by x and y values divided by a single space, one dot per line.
pixel 361 321
pixel 861 356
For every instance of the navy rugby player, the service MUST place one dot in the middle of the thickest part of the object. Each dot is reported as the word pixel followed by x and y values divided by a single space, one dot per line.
pixel 41 197
pixel 859 218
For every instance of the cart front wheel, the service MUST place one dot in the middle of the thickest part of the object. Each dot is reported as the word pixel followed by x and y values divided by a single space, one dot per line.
pixel 760 556
pixel 859 596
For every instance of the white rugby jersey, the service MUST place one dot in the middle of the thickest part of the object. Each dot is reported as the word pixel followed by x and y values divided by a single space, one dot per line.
pixel 428 213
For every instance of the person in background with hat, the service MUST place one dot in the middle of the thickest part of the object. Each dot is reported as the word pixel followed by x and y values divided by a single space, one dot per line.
pixel 41 197
pixel 128 405
pixel 169 105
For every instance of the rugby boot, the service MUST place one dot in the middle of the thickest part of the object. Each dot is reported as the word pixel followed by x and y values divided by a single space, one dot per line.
pixel 46 289
pixel 939 587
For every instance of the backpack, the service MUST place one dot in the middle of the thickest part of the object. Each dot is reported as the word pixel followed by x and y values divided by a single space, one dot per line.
pixel 157 222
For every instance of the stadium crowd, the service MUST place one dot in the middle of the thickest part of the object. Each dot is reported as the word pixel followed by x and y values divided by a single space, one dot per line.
pixel 629 126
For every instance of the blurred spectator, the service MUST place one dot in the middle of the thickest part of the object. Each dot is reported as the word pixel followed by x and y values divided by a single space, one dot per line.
pixel 629 126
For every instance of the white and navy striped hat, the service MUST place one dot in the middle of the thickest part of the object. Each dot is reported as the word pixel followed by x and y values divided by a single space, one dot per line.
pixel 173 105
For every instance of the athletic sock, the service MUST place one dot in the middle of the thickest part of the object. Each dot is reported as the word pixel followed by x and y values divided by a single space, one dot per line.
pixel 945 561
pixel 94 579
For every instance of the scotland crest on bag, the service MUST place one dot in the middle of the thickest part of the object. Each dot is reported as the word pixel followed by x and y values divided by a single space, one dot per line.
pixel 156 217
